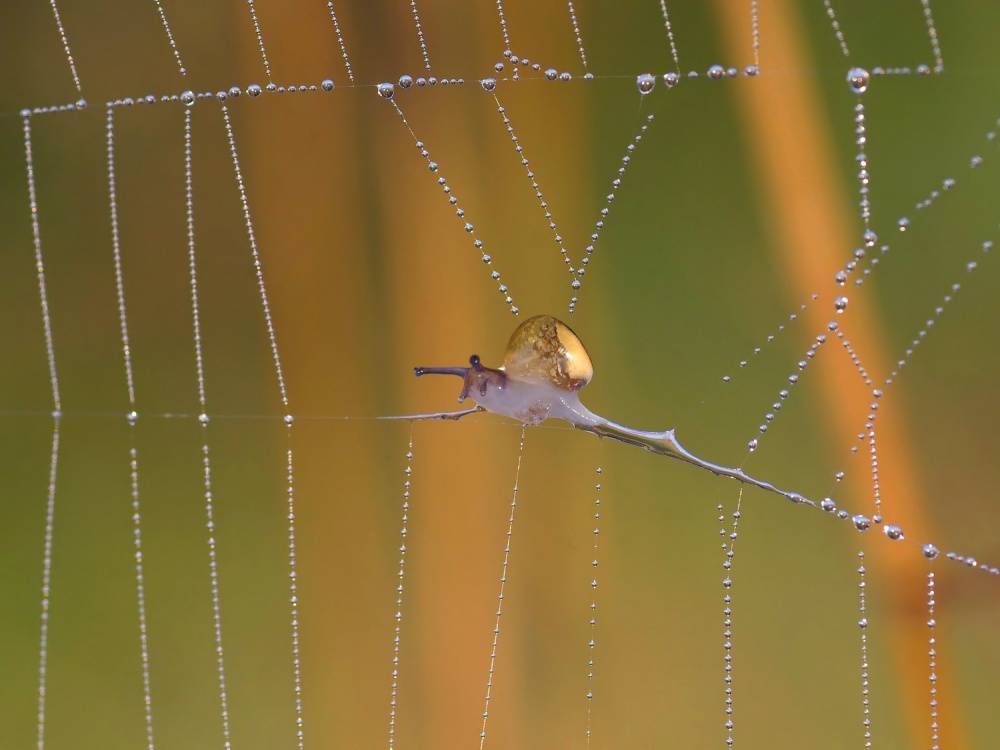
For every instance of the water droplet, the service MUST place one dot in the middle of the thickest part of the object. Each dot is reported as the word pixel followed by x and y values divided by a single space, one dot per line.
pixel 488 84
pixel 327 85
pixel 862 523
pixel 433 166
pixel 903 224
pixel 863 623
pixel 840 277
pixel 857 79
pixel 645 82
pixel 752 445
pixel 551 74
pixel 893 532
pixel 715 72
pixel 405 81
pixel 840 304
pixel 187 98
pixel 870 238
pixel 132 417
pixel 254 90
pixel 751 70
pixel 930 551
pixel 386 90
pixel 203 418
pixel 289 419
pixel 671 79
pixel 828 505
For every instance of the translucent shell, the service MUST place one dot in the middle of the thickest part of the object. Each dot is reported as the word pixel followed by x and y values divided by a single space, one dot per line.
pixel 545 348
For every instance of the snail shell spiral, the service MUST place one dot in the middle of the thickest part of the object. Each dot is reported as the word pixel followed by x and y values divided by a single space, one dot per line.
pixel 545 348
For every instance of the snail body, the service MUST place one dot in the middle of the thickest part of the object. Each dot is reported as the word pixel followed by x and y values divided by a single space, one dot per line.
pixel 544 368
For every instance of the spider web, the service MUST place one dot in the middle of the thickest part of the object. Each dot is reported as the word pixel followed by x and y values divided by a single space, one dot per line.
pixel 228 548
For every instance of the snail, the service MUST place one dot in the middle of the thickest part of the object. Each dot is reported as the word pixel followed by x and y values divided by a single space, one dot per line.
pixel 544 368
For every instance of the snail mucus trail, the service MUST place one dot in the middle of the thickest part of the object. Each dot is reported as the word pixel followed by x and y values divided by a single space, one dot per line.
pixel 544 368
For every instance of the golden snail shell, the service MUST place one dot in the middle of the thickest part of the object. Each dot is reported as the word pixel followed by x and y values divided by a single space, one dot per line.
pixel 545 348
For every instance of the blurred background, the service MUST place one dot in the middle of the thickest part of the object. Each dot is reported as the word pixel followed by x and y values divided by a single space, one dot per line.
pixel 739 204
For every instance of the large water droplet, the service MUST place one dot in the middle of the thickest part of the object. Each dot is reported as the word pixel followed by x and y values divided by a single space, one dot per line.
pixel 893 532
pixel 671 79
pixel 828 505
pixel 386 90
pixel 716 72
pixel 862 523
pixel 488 84
pixel 327 84
pixel 840 304
pixel 645 82
pixel 254 90
pixel 857 79
pixel 930 551
pixel 187 98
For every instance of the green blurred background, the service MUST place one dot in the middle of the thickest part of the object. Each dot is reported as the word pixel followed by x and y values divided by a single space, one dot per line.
pixel 369 273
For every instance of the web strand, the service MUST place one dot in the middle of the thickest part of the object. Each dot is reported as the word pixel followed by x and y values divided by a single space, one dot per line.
pixel 729 553
pixel 420 35
pixel 866 721
pixel 932 655
pixel 43 294
pixel 43 298
pixel 592 643
pixel 576 34
pixel 835 25
pixel 503 29
pixel 533 179
pixel 933 36
pixel 43 639
pixel 132 421
pixel 260 38
pixel 400 575
pixel 170 37
pixel 289 421
pixel 203 421
pixel 65 43
pixel 386 91
pixel 503 584
pixel 670 36
pixel 340 42
pixel 578 273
